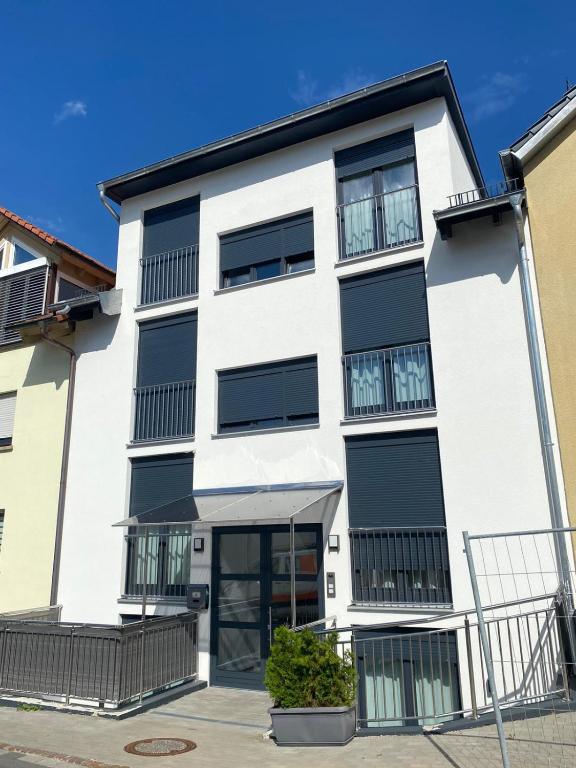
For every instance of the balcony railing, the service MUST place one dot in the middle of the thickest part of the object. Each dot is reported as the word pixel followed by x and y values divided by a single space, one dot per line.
pixel 484 193
pixel 167 563
pixel 22 297
pixel 400 566
pixel 164 411
pixel 388 220
pixel 169 275
pixel 388 381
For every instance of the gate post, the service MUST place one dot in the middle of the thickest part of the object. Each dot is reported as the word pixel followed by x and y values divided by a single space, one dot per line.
pixel 486 650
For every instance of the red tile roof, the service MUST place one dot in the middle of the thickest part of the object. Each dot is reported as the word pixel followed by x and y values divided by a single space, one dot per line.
pixel 53 240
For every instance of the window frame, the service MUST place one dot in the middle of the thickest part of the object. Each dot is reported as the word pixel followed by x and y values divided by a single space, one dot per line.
pixel 73 281
pixel 286 420
pixel 30 249
pixel 8 442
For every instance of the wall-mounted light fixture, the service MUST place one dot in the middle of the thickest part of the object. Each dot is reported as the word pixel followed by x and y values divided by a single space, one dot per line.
pixel 198 545
pixel 334 543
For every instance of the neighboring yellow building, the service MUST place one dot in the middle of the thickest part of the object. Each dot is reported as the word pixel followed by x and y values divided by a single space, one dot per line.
pixel 544 159
pixel 45 285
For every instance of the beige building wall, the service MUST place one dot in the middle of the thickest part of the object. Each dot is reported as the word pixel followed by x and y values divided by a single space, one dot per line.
pixel 550 179
pixel 30 472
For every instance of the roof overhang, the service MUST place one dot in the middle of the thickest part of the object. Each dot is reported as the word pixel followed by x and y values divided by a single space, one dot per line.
pixel 244 506
pixel 407 90
pixel 492 206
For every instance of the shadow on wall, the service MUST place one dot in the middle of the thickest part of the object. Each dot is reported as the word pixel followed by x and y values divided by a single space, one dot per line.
pixel 476 249
pixel 51 365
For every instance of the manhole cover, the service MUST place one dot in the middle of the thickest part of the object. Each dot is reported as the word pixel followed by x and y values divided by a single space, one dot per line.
pixel 159 747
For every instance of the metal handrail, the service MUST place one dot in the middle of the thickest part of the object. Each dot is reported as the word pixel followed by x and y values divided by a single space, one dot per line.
pixel 386 220
pixel 169 275
pixel 387 381
pixel 487 192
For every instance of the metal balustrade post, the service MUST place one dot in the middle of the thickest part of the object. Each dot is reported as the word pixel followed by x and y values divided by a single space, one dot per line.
pixel 142 652
pixel 70 662
pixel 470 667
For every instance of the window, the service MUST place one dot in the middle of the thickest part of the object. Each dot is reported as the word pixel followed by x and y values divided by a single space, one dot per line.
pixel 268 396
pixel 267 250
pixel 378 196
pixel 21 255
pixel 157 481
pixel 22 296
pixel 1 527
pixel 165 386
pixel 7 410
pixel 69 290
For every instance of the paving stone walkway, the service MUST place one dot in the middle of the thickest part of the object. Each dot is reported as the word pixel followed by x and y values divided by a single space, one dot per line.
pixel 228 728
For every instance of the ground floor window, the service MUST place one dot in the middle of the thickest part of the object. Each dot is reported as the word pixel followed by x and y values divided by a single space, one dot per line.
pixel 164 565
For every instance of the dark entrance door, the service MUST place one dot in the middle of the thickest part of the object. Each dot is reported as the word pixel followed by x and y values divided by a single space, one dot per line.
pixel 251 595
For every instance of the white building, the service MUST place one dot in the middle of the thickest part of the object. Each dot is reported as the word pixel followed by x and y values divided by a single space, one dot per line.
pixel 296 333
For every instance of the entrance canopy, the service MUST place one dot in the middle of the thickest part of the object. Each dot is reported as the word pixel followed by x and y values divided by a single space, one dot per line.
pixel 310 502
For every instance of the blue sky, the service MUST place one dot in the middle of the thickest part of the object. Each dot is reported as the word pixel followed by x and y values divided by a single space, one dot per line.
pixel 94 89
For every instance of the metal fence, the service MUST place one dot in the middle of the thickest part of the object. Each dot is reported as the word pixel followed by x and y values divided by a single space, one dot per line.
pixel 169 275
pixel 167 562
pixel 531 676
pixel 484 193
pixel 388 220
pixel 22 297
pixel 164 411
pixel 95 664
pixel 393 380
pixel 400 566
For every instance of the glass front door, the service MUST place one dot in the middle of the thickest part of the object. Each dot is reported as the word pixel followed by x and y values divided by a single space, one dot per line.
pixel 251 595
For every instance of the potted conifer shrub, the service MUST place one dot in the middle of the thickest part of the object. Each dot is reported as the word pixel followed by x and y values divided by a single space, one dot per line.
pixel 313 689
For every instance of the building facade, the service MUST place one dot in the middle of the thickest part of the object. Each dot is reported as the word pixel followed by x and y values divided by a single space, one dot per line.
pixel 298 342
pixel 544 162
pixel 36 271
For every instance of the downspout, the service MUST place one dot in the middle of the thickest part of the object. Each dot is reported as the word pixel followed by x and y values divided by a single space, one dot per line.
pixel 107 205
pixel 543 415
pixel 63 467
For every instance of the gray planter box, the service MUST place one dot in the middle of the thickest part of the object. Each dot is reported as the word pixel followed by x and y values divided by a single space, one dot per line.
pixel 314 726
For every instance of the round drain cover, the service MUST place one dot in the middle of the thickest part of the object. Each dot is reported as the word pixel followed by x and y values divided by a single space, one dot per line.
pixel 159 747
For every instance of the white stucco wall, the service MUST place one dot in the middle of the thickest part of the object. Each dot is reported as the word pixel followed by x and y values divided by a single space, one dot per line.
pixel 490 454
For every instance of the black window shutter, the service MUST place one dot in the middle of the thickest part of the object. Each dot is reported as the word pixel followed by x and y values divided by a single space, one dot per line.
pixel 384 309
pixel 271 391
pixel 158 480
pixel 375 154
pixel 171 226
pixel 266 242
pixel 394 480
pixel 167 350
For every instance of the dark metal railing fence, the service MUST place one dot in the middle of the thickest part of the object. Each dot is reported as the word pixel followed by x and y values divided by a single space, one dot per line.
pixel 484 193
pixel 164 411
pixel 388 220
pixel 400 566
pixel 167 562
pixel 98 664
pixel 169 275
pixel 392 380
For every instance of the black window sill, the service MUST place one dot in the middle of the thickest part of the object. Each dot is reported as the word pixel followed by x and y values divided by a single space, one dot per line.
pixel 271 430
pixel 265 281
pixel 422 413
pixel 166 302
pixel 160 441
pixel 377 254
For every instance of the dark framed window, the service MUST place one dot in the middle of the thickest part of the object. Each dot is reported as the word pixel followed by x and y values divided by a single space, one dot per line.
pixel 267 250
pixel 7 411
pixel 378 199
pixel 268 396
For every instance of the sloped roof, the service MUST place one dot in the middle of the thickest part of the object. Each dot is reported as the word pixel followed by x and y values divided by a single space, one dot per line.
pixel 536 127
pixel 54 240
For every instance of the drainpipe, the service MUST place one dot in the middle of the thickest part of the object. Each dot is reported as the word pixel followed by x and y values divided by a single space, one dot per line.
pixel 64 465
pixel 107 205
pixel 543 415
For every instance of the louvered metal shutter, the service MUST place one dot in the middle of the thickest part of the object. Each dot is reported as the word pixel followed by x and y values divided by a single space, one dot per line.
pixel 22 297
pixel 384 309
pixel 395 480
pixel 171 226
pixel 279 239
pixel 159 480
pixel 167 350
pixel 375 154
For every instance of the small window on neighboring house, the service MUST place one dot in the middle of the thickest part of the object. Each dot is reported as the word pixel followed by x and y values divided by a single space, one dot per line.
pixel 21 255
pixel 7 408
pixel 69 290
pixel 1 527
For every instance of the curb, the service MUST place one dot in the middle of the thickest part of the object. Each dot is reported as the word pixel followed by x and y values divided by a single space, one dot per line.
pixel 72 759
